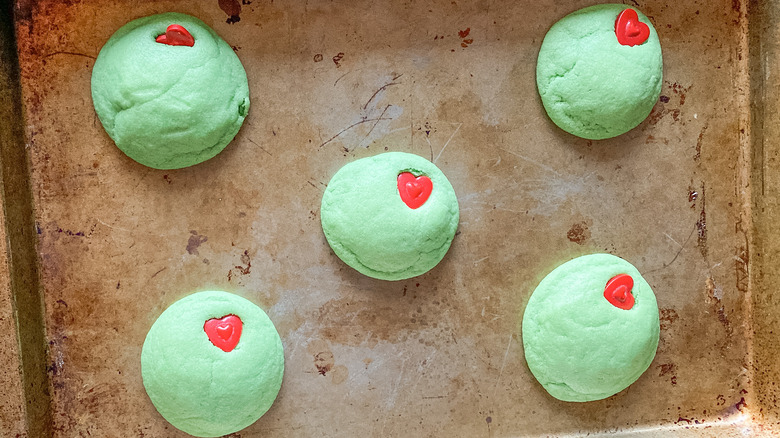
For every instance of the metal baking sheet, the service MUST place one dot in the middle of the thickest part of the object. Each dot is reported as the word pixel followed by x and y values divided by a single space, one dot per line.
pixel 440 354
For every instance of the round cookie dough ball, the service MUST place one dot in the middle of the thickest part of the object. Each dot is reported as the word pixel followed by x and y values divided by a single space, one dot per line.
pixel 169 106
pixel 391 216
pixel 591 85
pixel 212 363
pixel 586 340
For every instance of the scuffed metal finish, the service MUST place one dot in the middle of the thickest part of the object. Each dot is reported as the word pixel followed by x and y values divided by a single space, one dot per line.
pixel 439 354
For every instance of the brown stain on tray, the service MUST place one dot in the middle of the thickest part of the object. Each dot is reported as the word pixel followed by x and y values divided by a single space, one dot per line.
pixel 232 8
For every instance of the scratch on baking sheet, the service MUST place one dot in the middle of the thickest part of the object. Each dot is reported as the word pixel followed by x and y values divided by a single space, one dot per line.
pixel 481 260
pixel 155 274
pixel 448 142
pixel 524 158
pixel 382 88
pixel 112 226
pixel 390 403
pixel 337 80
pixel 364 120
pixel 430 146
pixel 670 238
pixel 394 390
pixel 503 364
pixel 420 368
pixel 69 53
pixel 261 148
pixel 666 265
pixel 143 176
pixel 377 121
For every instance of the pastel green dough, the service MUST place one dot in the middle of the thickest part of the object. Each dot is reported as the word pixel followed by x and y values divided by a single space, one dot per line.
pixel 169 107
pixel 578 345
pixel 371 229
pixel 196 386
pixel 592 86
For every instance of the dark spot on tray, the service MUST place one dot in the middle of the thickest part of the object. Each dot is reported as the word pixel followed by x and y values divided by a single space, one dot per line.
pixel 488 420
pixel 194 242
pixel 464 33
pixel 232 8
pixel 664 99
pixel 337 59
pixel 701 224
pixel 697 155
pixel 666 368
pixel 318 57
pixel 723 319
pixel 245 259
pixel 324 361
pixel 741 267
pixel 667 317
pixel 578 233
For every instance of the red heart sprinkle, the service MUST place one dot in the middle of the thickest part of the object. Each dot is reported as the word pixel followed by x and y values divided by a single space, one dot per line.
pixel 618 291
pixel 176 35
pixel 629 30
pixel 224 332
pixel 414 191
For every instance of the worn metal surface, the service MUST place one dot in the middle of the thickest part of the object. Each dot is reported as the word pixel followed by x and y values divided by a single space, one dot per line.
pixel 332 81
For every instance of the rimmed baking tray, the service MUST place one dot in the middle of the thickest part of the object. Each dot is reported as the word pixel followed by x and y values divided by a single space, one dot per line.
pixel 98 245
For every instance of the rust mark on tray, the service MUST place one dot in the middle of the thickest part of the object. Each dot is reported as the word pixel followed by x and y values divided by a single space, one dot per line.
pixel 742 268
pixel 465 41
pixel 699 141
pixel 245 259
pixel 318 57
pixel 701 224
pixel 693 195
pixel 194 242
pixel 579 233
pixel 713 298
pixel 232 8
pixel 337 59
pixel 324 360
pixel 667 317
pixel 680 91
pixel 666 368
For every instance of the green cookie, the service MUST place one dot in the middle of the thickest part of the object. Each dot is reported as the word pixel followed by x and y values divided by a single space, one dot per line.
pixel 591 85
pixel 165 106
pixel 579 345
pixel 211 388
pixel 372 229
